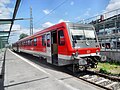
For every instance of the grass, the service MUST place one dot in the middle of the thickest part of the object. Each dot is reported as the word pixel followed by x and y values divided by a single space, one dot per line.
pixel 108 68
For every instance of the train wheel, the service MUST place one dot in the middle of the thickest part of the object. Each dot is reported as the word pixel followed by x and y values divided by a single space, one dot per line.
pixel 75 68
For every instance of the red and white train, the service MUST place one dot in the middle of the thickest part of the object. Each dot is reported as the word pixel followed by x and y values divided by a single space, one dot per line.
pixel 63 44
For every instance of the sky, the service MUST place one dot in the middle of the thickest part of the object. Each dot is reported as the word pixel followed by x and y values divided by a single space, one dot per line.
pixel 49 12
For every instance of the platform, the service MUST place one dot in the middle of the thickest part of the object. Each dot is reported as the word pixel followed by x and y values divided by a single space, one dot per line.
pixel 23 74
pixel 1 63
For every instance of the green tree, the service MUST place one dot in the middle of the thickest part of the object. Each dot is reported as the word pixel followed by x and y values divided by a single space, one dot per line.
pixel 23 35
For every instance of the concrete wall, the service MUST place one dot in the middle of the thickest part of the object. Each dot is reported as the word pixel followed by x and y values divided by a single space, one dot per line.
pixel 111 55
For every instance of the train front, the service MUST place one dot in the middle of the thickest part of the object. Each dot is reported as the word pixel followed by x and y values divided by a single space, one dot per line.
pixel 85 45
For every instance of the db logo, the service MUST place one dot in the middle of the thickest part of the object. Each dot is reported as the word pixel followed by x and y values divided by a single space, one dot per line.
pixel 88 51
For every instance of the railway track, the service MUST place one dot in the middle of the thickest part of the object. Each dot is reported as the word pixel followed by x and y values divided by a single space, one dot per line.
pixel 101 80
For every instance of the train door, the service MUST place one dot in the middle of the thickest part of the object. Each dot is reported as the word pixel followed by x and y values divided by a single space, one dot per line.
pixel 48 47
pixel 54 47
pixel 17 47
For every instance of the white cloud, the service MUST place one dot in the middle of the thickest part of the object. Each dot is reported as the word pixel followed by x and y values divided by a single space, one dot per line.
pixel 47 24
pixel 5 12
pixel 14 36
pixel 4 27
pixel 16 27
pixel 78 18
pixel 5 1
pixel 61 20
pixel 113 4
pixel 71 3
pixel 46 11
pixel 24 30
pixel 87 13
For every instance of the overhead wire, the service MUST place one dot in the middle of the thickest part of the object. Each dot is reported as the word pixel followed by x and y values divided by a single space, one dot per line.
pixel 46 14
pixel 51 11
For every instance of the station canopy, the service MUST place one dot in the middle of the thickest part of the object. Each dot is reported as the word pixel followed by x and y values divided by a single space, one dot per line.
pixel 7 23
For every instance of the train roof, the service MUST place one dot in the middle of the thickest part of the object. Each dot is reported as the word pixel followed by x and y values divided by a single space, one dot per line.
pixel 62 24
pixel 44 30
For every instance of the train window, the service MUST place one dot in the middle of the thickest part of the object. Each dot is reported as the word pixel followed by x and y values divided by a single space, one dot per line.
pixel 23 43
pixel 48 40
pixel 20 43
pixel 43 40
pixel 26 42
pixel 30 42
pixel 61 38
pixel 89 34
pixel 35 41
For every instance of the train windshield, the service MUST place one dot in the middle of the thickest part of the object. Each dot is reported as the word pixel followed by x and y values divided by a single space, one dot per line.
pixel 82 33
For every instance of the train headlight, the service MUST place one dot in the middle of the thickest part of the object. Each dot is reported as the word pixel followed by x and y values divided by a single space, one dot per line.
pixel 97 51
pixel 73 54
pixel 76 54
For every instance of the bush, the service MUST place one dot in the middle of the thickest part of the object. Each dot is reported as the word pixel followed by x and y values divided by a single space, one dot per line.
pixel 102 70
pixel 112 62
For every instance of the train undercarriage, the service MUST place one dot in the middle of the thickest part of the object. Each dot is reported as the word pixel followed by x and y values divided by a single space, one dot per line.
pixel 85 63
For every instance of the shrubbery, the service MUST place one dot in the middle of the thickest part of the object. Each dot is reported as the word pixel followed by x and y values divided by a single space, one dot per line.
pixel 102 70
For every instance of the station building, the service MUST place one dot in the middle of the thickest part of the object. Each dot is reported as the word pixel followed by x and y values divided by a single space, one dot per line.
pixel 107 27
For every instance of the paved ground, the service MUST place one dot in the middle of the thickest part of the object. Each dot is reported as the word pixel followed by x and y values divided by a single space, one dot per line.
pixel 23 74
pixel 2 51
pixel 1 61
